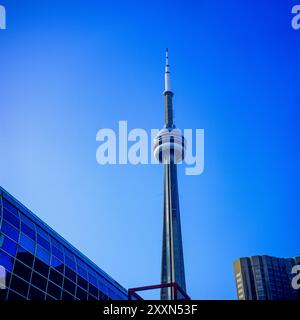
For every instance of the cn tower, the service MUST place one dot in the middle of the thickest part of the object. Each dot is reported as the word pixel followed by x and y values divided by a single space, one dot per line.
pixel 169 148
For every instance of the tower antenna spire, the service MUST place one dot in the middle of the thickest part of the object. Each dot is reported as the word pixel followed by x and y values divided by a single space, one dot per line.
pixel 167 73
pixel 168 95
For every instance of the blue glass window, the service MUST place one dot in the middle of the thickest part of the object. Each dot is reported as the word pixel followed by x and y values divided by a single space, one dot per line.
pixel 81 294
pixel 82 282
pixel 27 243
pixel 70 263
pixel 11 218
pixel 55 243
pixel 66 296
pixel 102 287
pixel 19 285
pixel 6 261
pixel 27 221
pixel 43 242
pixel 9 246
pixel 54 290
pixel 39 281
pixel 42 232
pixel 25 256
pixel 82 272
pixel 57 253
pixel 70 274
pixel 56 277
pixel 55 262
pixel 36 294
pixel 69 286
pixel 42 254
pixel 80 263
pixel 22 271
pixel 103 296
pixel 93 280
pixel 69 254
pixel 89 270
pixel 91 297
pixel 10 207
pixel 10 231
pixel 93 290
pixel 28 230
pixel 41 267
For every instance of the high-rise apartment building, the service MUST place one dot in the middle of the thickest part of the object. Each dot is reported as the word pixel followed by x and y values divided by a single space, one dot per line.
pixel 265 278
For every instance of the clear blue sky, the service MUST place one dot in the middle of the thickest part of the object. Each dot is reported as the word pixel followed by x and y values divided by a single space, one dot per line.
pixel 69 68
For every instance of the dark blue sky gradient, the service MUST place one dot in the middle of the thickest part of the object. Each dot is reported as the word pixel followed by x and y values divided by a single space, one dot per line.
pixel 69 68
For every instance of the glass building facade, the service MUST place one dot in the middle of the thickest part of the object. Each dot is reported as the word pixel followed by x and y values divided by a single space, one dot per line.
pixel 41 265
